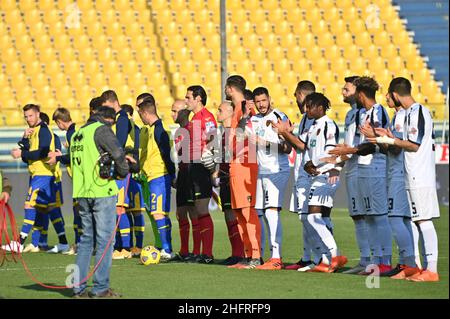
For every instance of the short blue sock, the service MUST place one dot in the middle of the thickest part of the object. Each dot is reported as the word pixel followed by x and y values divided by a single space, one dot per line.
pixel 163 230
pixel 28 222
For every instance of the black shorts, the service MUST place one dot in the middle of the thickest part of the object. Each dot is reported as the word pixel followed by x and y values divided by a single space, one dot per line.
pixel 185 194
pixel 200 179
pixel 225 196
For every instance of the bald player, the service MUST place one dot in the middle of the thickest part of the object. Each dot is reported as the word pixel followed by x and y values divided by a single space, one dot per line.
pixel 224 117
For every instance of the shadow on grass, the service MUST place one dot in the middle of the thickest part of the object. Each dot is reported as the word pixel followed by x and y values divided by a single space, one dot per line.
pixel 36 287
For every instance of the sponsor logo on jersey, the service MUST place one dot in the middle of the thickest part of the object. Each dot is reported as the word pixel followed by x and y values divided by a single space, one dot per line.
pixel 413 130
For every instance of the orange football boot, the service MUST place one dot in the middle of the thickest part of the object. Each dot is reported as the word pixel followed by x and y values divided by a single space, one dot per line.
pixel 424 276
pixel 271 264
pixel 406 271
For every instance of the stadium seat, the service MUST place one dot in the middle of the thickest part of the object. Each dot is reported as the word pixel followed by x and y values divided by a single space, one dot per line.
pixel 277 16
pixel 344 39
pixel 258 16
pixel 18 29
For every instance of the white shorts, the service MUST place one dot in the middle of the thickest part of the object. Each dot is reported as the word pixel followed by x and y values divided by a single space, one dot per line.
pixel 293 200
pixel 270 190
pixel 373 192
pixel 398 204
pixel 321 192
pixel 424 203
pixel 354 197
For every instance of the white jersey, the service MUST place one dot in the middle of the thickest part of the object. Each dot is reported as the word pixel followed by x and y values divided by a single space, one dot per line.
pixel 395 163
pixel 373 165
pixel 420 167
pixel 321 137
pixel 352 136
pixel 304 126
pixel 270 160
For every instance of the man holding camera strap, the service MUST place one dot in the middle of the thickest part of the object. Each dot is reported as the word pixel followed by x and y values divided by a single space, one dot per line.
pixel 96 194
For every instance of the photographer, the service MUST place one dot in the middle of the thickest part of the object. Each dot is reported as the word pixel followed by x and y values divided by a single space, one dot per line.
pixel 97 160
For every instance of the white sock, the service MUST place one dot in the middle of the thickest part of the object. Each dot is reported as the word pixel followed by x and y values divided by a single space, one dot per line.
pixel 416 239
pixel 362 238
pixel 263 231
pixel 374 243
pixel 307 247
pixel 430 241
pixel 404 241
pixel 273 220
pixel 318 224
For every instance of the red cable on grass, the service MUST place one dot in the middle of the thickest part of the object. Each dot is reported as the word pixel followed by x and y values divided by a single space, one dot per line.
pixel 6 209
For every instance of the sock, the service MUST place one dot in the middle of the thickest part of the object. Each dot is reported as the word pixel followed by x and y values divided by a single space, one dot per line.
pixel 28 222
pixel 206 234
pixel 169 223
pixel 430 243
pixel 416 239
pixel 329 223
pixel 139 229
pixel 262 222
pixel 131 221
pixel 124 229
pixel 404 241
pixel 250 229
pixel 77 225
pixel 118 241
pixel 58 223
pixel 273 220
pixel 237 247
pixel 307 247
pixel 163 229
pixel 385 236
pixel 158 243
pixel 374 242
pixel 362 238
pixel 325 236
pixel 43 239
pixel 184 236
pixel 37 229
pixel 196 236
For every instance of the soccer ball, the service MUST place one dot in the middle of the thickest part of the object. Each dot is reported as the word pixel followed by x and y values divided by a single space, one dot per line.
pixel 150 255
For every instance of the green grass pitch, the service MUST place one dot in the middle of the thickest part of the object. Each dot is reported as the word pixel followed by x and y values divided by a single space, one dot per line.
pixel 180 280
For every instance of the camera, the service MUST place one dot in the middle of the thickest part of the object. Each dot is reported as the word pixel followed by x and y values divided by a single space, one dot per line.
pixel 106 164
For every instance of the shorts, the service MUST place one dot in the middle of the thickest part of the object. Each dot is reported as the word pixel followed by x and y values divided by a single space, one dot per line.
pixel 321 192
pixel 270 190
pixel 58 195
pixel 302 188
pixel 122 196
pixel 225 196
pixel 185 194
pixel 136 198
pixel 160 190
pixel 424 203
pixel 354 197
pixel 398 204
pixel 373 192
pixel 41 193
pixel 200 180
pixel 243 186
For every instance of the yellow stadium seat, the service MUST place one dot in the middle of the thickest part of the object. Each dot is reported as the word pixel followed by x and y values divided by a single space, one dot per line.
pixel 33 68
pixel 289 41
pixel 175 41
pixel 44 93
pixel 22 42
pixel 358 65
pixel 313 14
pixel 52 16
pixel 396 64
pixel 89 16
pixel 85 4
pixel 245 27
pixel 314 52
pixel 377 64
pixel 389 51
pixel 177 5
pixel 320 26
pixel 33 17
pixel 363 38
pixel 382 38
pixel 14 118
pixel 238 16
pixel 18 29
pixel 71 67
pixel 61 42
pixel 332 14
pixel 276 53
pixel 58 80
pixel 121 5
pixel 102 5
pixel 25 94
pixel 277 15
pixel 12 16
pixel 133 29
pixel 282 66
pixel 77 80
pixel 370 51
pixel 45 4
pixel 13 67
pixel 209 28
pixel 8 5
pixel 325 39
pixel 130 67
pixel 251 4
pixel 333 52
pixel 284 27
pixel 402 38
pixel 19 80
pixel 9 55
pixel 258 16
pixel 263 28
pixel 294 15
pixel 81 42
pixel 344 39
pixel 270 4
pixel 295 53
pixel 289 5
pixel 42 42
pixel 415 63
pixel 339 65
pixel 39 80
